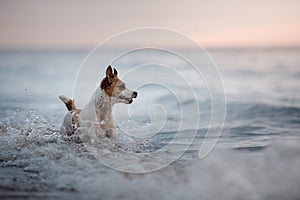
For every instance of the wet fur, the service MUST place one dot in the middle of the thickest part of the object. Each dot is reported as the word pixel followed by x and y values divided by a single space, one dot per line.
pixel 111 90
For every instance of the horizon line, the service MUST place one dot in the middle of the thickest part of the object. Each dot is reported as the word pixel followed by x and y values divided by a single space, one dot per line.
pixel 90 47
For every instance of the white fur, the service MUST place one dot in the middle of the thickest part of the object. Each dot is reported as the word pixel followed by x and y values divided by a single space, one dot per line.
pixel 98 110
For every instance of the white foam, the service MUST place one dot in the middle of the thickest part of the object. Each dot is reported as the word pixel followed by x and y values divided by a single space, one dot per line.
pixel 65 165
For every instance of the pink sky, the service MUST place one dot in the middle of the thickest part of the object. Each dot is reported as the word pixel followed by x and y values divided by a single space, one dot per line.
pixel 213 23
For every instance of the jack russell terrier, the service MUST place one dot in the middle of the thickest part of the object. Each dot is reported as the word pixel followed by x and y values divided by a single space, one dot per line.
pixel 111 91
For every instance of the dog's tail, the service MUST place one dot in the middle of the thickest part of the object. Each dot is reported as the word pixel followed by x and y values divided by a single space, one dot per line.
pixel 68 102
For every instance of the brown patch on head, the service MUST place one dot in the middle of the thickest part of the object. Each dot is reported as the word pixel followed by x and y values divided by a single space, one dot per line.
pixel 111 84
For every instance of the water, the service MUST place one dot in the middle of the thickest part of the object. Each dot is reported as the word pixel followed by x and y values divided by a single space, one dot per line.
pixel 256 157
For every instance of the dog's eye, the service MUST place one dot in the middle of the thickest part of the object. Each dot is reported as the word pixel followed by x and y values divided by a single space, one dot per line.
pixel 122 87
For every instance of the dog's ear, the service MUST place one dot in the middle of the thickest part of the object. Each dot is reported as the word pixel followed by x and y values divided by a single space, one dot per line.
pixel 109 72
pixel 105 83
pixel 115 72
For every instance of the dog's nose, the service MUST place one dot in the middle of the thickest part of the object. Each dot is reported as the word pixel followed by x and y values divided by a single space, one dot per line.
pixel 134 94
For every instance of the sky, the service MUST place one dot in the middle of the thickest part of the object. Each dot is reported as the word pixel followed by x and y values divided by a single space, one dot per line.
pixel 212 23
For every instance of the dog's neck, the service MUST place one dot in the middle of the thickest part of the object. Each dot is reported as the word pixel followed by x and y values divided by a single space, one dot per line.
pixel 103 108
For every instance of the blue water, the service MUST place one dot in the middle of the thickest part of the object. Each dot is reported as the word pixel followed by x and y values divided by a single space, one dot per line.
pixel 256 157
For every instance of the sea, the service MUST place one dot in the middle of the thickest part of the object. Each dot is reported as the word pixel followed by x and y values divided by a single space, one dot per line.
pixel 214 124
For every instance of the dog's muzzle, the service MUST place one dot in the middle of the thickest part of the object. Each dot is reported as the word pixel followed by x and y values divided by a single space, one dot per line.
pixel 129 99
pixel 134 94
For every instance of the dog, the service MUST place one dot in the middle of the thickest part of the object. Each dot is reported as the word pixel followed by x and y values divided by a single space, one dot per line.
pixel 111 91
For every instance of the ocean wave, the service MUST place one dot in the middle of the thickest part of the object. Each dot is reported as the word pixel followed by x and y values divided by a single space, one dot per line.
pixel 37 162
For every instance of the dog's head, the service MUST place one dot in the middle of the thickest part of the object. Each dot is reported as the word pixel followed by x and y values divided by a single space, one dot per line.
pixel 115 88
